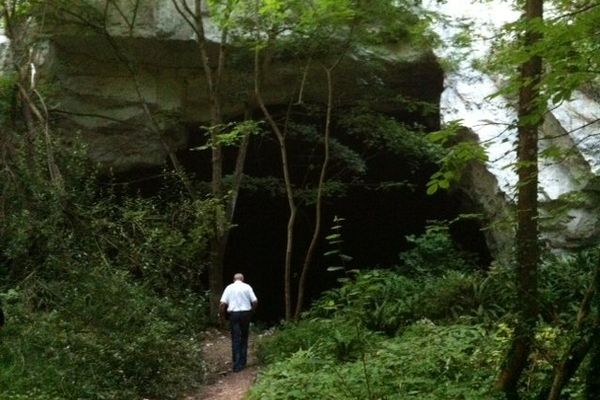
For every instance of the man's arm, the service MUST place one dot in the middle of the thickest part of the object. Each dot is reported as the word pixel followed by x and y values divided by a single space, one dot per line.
pixel 223 311
pixel 253 299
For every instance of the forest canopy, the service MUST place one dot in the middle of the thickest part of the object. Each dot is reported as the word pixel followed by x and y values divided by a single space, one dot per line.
pixel 149 149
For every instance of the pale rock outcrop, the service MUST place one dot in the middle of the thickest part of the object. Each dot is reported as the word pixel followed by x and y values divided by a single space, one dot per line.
pixel 103 82
pixel 568 189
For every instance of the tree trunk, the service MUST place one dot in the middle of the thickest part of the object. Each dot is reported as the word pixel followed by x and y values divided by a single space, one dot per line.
pixel 319 203
pixel 592 383
pixel 215 274
pixel 289 189
pixel 587 333
pixel 226 205
pixel 530 119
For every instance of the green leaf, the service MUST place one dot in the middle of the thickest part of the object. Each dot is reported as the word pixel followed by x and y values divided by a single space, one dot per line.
pixel 432 189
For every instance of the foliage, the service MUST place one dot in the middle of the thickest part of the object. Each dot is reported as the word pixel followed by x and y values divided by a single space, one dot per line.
pixel 103 336
pixel 434 252
pixel 445 334
pixel 338 338
pixel 426 362
pixel 377 131
pixel 334 243
pixel 7 97
pixel 159 240
pixel 563 282
pixel 387 302
pixel 163 244
pixel 98 287
pixel 323 27
pixel 230 134
pixel 458 153
pixel 568 47
pixel 344 156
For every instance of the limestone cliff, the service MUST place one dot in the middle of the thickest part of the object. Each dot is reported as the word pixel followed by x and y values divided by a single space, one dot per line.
pixel 106 82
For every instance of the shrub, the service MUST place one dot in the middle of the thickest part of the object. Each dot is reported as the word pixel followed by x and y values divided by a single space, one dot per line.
pixel 563 282
pixel 435 253
pixel 426 362
pixel 338 339
pixel 98 289
pixel 385 301
pixel 107 337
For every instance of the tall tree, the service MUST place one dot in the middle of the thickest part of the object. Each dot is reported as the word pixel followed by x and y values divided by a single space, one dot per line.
pixel 319 21
pixel 530 119
pixel 23 33
pixel 214 67
pixel 320 34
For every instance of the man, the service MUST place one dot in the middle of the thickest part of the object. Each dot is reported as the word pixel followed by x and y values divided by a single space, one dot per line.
pixel 238 301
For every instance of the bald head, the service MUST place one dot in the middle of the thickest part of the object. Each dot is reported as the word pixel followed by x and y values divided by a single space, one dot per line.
pixel 238 277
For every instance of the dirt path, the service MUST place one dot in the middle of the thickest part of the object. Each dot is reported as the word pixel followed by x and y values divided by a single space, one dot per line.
pixel 222 384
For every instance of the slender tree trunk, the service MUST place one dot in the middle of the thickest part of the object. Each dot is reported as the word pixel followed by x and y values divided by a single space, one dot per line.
pixel 319 203
pixel 238 175
pixel 592 383
pixel 289 190
pixel 34 102
pixel 218 244
pixel 17 32
pixel 226 205
pixel 587 333
pixel 527 209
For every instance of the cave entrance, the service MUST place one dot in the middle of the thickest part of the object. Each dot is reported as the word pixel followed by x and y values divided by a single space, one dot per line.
pixel 377 220
pixel 377 215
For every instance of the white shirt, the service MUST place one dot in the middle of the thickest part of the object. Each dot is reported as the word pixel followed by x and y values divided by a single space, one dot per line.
pixel 238 296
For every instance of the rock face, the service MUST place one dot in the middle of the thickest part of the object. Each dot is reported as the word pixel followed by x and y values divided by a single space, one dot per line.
pixel 568 192
pixel 137 85
pixel 570 201
pixel 481 194
pixel 568 220
pixel 114 89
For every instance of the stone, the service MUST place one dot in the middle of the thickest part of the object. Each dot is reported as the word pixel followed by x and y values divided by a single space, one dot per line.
pixel 102 85
pixel 481 194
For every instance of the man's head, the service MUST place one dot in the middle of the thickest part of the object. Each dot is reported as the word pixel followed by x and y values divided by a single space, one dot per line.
pixel 238 277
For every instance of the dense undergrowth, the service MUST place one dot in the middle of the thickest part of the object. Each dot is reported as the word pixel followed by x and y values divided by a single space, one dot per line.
pixel 433 328
pixel 100 289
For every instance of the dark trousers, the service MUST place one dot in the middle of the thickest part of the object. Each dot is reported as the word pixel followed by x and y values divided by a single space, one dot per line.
pixel 239 322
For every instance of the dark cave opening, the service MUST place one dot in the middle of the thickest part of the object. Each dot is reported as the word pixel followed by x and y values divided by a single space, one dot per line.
pixel 373 233
pixel 377 218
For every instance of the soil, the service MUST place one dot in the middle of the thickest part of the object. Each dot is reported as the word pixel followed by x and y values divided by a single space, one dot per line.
pixel 221 382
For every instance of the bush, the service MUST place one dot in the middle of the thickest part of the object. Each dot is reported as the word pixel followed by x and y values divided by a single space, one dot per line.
pixel 434 253
pixel 563 281
pixel 338 339
pixel 426 362
pixel 98 289
pixel 385 301
pixel 107 337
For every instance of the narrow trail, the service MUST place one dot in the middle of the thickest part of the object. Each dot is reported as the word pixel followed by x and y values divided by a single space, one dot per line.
pixel 222 384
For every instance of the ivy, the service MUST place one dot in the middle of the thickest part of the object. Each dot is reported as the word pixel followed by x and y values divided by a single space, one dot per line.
pixel 459 153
